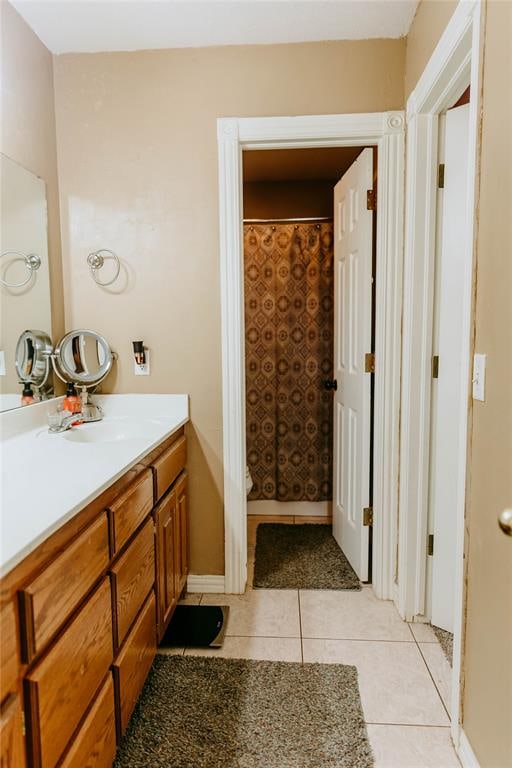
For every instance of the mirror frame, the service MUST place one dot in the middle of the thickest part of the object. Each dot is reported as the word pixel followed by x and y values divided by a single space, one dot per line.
pixel 43 349
pixel 67 375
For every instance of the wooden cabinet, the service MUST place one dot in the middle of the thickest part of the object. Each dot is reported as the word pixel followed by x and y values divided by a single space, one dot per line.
pixel 53 595
pixel 130 508
pixel 165 524
pixel 134 662
pixel 62 685
pixel 182 531
pixel 168 466
pixel 9 656
pixel 12 749
pixel 95 744
pixel 133 575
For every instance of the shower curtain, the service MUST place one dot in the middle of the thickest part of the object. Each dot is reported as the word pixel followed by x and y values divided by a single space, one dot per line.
pixel 289 354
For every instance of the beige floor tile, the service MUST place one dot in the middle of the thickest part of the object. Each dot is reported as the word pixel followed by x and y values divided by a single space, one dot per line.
pixel 260 613
pixel 394 682
pixel 261 648
pixel 312 520
pixel 439 669
pixel 192 598
pixel 406 746
pixel 171 651
pixel 423 633
pixel 350 615
pixel 254 520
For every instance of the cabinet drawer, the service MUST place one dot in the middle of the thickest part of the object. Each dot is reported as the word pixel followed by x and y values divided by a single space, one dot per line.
pixel 133 663
pixel 130 508
pixel 12 752
pixel 47 602
pixel 133 575
pixel 95 744
pixel 61 686
pixel 9 658
pixel 169 465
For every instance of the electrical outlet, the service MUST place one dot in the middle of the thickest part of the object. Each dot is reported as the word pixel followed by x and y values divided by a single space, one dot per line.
pixel 479 377
pixel 2 363
pixel 142 370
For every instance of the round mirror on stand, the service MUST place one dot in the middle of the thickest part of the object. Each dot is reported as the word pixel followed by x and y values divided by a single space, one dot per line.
pixel 33 352
pixel 83 358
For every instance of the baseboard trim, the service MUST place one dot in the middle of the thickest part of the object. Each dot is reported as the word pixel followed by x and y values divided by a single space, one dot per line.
pixel 295 508
pixel 210 584
pixel 465 752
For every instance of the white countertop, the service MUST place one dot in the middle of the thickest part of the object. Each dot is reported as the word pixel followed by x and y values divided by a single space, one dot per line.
pixel 47 479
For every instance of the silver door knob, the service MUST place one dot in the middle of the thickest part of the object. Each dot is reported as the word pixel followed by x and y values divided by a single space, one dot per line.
pixel 505 521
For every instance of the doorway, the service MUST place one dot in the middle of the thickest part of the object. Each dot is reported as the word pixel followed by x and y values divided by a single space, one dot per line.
pixel 386 132
pixel 309 221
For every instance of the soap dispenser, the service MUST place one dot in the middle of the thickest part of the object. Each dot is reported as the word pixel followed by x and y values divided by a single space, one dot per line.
pixel 72 402
pixel 27 396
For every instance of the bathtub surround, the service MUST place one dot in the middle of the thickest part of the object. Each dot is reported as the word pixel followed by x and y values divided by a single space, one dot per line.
pixel 288 282
pixel 216 713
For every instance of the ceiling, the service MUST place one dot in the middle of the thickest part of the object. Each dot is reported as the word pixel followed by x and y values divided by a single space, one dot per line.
pixel 66 26
pixel 298 164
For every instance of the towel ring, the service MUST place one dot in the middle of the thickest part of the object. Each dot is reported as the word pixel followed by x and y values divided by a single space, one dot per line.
pixel 32 263
pixel 95 261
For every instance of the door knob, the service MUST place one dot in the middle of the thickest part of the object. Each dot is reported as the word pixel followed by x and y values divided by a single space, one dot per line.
pixel 331 384
pixel 505 521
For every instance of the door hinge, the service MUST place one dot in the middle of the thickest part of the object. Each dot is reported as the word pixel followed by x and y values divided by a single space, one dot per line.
pixel 369 362
pixel 440 176
pixel 368 516
pixel 371 200
pixel 430 544
pixel 435 367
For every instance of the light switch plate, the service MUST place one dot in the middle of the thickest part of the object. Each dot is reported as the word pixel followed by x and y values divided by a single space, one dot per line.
pixel 2 363
pixel 142 370
pixel 479 377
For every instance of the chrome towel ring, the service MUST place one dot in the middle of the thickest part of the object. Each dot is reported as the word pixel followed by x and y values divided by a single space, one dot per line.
pixel 32 263
pixel 95 261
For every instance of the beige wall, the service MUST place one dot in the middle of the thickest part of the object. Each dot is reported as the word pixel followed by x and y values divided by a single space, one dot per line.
pixel 488 672
pixel 487 698
pixel 28 128
pixel 138 174
pixel 428 25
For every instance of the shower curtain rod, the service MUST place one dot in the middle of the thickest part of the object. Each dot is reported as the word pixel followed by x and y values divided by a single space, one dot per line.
pixel 282 221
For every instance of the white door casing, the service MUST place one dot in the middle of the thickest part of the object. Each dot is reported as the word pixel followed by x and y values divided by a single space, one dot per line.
pixel 352 340
pixel 448 404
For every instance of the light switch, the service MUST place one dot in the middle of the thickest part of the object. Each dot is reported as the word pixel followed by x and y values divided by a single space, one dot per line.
pixel 479 377
pixel 2 363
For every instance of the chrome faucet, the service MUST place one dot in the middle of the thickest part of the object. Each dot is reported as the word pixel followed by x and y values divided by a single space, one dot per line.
pixel 58 423
pixel 89 411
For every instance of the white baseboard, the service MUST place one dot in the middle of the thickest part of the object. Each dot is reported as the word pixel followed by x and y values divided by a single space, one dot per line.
pixel 210 584
pixel 298 508
pixel 465 752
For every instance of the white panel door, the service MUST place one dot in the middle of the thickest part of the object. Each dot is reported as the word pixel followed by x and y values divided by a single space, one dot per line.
pixel 448 409
pixel 352 340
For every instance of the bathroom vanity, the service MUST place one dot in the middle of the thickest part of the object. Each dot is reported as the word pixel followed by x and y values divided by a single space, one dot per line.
pixel 94 559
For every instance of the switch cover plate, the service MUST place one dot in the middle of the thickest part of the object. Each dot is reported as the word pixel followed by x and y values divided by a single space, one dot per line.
pixel 479 377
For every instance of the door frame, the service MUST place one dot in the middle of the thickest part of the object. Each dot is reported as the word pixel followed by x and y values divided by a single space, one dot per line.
pixel 455 63
pixel 385 130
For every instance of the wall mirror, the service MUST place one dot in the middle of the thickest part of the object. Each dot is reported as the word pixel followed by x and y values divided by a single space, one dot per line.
pixel 24 286
pixel 83 357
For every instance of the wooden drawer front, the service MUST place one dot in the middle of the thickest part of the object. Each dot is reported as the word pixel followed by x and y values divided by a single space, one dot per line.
pixel 54 594
pixel 165 520
pixel 132 577
pixel 130 508
pixel 61 686
pixel 95 744
pixel 169 465
pixel 12 752
pixel 9 657
pixel 182 514
pixel 134 662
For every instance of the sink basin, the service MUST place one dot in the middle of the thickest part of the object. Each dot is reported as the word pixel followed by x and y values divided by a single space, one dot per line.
pixel 114 430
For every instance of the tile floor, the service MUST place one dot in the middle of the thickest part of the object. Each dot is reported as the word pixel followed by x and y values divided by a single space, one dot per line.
pixel 404 678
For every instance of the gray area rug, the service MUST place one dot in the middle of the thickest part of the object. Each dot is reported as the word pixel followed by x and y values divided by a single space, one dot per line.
pixel 203 712
pixel 300 557
pixel 445 641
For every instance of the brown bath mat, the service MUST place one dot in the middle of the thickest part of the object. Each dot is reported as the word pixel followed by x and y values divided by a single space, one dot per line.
pixel 300 557
pixel 200 712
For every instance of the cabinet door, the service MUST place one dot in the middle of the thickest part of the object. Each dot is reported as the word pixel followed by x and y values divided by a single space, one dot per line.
pixel 182 526
pixel 165 520
pixel 12 751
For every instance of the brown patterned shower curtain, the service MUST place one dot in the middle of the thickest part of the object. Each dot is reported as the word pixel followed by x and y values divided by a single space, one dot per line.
pixel 288 354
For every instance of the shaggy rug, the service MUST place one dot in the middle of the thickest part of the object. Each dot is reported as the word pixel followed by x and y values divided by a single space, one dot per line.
pixel 300 557
pixel 203 712
pixel 445 641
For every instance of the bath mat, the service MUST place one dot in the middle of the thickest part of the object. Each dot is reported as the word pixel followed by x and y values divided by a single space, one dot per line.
pixel 197 626
pixel 300 557
pixel 203 712
pixel 445 641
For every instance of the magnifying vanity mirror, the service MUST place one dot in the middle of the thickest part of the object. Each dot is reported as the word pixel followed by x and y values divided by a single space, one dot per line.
pixel 83 358
pixel 33 354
